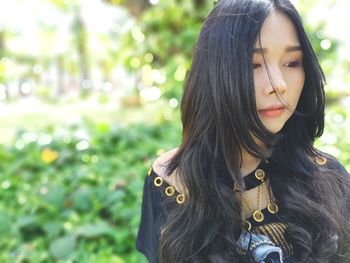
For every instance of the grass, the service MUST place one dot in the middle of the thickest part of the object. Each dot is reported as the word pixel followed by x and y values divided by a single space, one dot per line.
pixel 34 115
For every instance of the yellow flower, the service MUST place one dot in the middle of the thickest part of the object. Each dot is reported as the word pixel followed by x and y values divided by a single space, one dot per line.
pixel 48 155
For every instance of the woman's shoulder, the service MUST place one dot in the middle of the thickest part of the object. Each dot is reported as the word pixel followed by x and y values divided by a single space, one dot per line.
pixel 159 165
pixel 160 169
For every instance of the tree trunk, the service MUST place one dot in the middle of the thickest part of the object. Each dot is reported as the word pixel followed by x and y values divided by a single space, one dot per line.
pixel 81 38
pixel 2 42
pixel 135 7
pixel 60 82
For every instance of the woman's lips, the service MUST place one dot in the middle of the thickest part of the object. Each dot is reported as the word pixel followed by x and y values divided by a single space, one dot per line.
pixel 272 112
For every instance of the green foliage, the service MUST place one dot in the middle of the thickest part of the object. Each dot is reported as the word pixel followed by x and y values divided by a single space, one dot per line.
pixel 335 140
pixel 164 39
pixel 75 195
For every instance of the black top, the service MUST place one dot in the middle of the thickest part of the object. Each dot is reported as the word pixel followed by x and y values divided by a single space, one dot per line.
pixel 153 214
pixel 153 217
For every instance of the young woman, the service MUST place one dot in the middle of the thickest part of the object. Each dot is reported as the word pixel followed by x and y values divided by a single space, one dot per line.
pixel 246 183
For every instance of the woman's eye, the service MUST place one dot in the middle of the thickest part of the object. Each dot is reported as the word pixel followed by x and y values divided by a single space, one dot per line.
pixel 293 64
pixel 256 65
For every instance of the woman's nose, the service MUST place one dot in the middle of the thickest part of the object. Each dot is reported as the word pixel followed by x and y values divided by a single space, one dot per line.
pixel 275 82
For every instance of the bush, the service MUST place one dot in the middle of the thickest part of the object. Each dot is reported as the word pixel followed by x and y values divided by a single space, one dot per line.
pixel 75 195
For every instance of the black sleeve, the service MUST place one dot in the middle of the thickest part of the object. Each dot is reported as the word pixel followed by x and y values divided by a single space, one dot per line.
pixel 335 165
pixel 152 218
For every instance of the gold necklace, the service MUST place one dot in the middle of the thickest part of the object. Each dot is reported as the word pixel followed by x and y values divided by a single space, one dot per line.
pixel 272 206
pixel 257 214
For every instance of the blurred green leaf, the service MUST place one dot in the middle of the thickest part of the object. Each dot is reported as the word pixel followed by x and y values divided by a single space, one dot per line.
pixel 53 228
pixel 94 230
pixel 61 248
pixel 82 199
pixel 5 223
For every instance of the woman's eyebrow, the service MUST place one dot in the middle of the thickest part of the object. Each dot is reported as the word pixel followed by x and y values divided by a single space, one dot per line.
pixel 287 49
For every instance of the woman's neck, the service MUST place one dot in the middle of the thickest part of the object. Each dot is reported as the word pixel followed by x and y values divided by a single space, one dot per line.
pixel 249 163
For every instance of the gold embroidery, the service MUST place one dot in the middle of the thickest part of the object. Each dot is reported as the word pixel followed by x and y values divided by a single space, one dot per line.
pixel 282 228
pixel 276 235
pixel 275 231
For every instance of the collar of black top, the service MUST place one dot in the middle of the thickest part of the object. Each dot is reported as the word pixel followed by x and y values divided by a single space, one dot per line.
pixel 250 179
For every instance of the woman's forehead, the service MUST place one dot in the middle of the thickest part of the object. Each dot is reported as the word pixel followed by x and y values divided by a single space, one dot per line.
pixel 278 31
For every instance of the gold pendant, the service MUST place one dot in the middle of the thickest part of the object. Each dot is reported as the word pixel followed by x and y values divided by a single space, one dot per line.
pixel 272 207
pixel 260 174
pixel 258 216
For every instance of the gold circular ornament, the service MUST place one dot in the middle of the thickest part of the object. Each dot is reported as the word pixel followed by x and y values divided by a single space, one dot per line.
pixel 158 181
pixel 320 160
pixel 149 171
pixel 260 174
pixel 272 208
pixel 247 225
pixel 180 199
pixel 170 191
pixel 258 216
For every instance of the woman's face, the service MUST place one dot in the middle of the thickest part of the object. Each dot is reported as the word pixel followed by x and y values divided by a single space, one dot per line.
pixel 278 71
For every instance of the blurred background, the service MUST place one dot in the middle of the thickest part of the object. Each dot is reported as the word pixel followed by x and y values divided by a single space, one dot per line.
pixel 89 96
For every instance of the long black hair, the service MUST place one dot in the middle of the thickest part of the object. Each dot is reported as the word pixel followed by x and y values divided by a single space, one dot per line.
pixel 220 120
